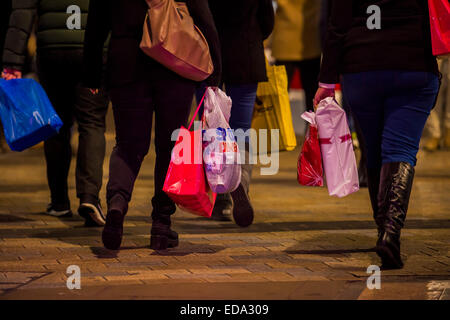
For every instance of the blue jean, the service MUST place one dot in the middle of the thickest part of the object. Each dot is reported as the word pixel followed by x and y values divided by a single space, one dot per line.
pixel 243 97
pixel 391 107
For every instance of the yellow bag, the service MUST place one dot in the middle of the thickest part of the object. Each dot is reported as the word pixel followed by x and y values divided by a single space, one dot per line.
pixel 273 109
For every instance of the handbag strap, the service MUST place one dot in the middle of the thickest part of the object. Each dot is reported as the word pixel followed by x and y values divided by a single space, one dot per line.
pixel 198 109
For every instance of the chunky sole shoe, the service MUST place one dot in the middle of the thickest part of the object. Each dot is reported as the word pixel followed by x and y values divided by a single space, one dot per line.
pixel 221 216
pixel 222 208
pixel 113 231
pixel 54 211
pixel 242 210
pixel 92 214
pixel 160 242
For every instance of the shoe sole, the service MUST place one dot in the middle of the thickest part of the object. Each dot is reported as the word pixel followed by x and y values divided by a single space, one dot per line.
pixel 87 210
pixel 60 214
pixel 387 258
pixel 162 242
pixel 220 218
pixel 113 232
pixel 242 210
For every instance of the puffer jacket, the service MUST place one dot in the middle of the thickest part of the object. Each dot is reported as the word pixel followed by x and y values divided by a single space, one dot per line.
pixel 49 17
pixel 5 11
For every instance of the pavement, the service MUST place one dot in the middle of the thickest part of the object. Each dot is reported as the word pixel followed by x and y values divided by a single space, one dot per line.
pixel 303 243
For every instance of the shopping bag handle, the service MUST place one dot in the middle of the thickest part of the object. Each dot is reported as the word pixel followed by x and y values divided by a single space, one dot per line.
pixel 196 111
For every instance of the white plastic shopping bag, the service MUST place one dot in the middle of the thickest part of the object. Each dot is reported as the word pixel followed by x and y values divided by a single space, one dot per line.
pixel 220 150
pixel 336 145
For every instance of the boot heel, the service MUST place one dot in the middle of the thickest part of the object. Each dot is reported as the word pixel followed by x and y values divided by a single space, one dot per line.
pixel 159 242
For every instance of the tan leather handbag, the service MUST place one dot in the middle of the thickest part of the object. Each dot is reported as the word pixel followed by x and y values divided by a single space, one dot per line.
pixel 171 38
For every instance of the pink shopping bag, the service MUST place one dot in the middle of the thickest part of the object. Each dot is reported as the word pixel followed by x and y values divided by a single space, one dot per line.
pixel 338 156
pixel 185 181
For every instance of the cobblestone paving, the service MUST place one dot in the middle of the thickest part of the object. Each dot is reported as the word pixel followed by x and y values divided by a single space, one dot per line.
pixel 302 245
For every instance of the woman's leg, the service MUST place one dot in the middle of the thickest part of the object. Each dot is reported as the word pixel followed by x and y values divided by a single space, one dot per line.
pixel 173 100
pixel 243 97
pixel 132 106
pixel 405 113
pixel 60 88
pixel 365 97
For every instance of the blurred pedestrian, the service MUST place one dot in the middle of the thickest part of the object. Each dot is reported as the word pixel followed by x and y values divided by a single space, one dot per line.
pixel 59 62
pixel 139 87
pixel 437 129
pixel 390 80
pixel 5 11
pixel 296 42
pixel 242 28
pixel 353 123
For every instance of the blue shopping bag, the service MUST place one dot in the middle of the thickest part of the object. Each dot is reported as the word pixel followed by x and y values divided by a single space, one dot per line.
pixel 26 113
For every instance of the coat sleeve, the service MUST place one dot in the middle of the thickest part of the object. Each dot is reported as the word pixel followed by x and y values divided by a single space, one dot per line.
pixel 98 28
pixel 203 19
pixel 21 23
pixel 338 25
pixel 266 17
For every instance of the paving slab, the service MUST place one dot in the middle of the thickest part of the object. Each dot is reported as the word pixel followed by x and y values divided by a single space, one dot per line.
pixel 303 244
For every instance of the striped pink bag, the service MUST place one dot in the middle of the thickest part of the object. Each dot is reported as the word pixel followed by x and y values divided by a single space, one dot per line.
pixel 336 145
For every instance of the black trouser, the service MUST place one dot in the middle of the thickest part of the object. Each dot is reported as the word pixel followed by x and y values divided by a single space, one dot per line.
pixel 170 98
pixel 60 75
pixel 309 73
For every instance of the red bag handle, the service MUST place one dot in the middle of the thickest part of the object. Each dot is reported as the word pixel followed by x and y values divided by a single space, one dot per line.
pixel 196 111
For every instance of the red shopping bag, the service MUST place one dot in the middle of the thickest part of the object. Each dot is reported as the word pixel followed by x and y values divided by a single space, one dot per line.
pixel 309 165
pixel 440 26
pixel 185 181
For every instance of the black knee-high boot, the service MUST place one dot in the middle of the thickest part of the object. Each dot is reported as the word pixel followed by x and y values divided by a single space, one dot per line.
pixel 393 198
pixel 161 236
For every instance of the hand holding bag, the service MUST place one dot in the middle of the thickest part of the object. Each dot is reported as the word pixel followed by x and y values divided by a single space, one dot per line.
pixel 26 113
pixel 336 146
pixel 171 38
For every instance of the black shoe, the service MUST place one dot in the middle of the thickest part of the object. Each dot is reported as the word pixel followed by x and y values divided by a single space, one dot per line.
pixel 242 208
pixel 59 210
pixel 222 208
pixel 393 199
pixel 113 232
pixel 161 236
pixel 91 210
